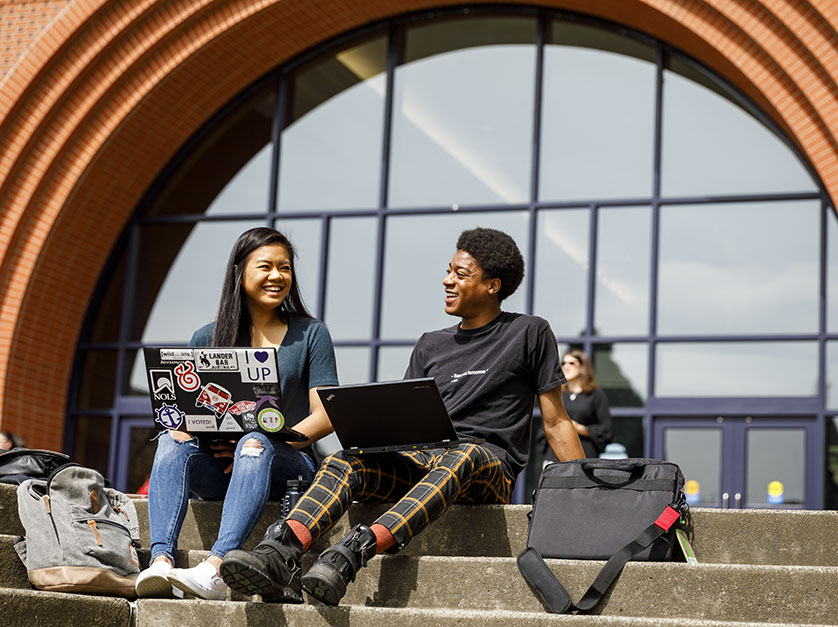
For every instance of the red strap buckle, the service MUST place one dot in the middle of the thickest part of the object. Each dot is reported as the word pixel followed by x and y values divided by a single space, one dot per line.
pixel 667 518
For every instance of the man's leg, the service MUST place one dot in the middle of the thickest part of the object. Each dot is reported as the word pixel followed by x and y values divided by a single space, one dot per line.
pixel 469 474
pixel 274 564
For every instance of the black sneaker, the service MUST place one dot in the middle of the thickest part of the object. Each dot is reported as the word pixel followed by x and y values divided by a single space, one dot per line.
pixel 328 577
pixel 272 569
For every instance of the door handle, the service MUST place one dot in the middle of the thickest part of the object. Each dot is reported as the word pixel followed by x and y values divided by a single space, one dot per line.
pixel 737 500
pixel 725 500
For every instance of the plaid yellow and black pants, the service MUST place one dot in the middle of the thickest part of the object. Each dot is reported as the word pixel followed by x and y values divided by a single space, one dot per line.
pixel 424 484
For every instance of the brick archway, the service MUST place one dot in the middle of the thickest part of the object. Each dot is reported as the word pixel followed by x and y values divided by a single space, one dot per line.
pixel 109 91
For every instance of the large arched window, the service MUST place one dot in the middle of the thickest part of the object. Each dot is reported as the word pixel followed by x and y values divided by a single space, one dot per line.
pixel 668 229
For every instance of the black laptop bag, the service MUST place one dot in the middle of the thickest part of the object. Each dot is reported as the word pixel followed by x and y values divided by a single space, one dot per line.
pixel 600 509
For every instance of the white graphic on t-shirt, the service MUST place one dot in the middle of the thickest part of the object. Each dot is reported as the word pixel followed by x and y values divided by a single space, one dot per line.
pixel 468 373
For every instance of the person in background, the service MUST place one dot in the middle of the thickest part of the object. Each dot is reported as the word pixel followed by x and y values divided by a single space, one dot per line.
pixel 586 404
pixel 9 440
pixel 260 306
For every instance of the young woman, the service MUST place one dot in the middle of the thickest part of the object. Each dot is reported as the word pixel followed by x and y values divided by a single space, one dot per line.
pixel 260 306
pixel 585 403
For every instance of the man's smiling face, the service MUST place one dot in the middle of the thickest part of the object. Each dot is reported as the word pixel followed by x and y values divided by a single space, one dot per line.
pixel 467 293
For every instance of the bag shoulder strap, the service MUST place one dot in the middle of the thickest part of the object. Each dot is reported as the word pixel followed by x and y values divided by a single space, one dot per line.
pixel 552 593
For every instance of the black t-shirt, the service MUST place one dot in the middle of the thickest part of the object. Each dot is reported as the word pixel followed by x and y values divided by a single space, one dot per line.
pixel 489 377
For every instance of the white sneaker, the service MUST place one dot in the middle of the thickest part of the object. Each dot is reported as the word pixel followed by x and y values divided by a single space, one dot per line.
pixel 152 582
pixel 202 581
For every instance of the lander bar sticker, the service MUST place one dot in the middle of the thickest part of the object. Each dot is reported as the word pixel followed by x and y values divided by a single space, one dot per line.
pixel 257 367
pixel 214 360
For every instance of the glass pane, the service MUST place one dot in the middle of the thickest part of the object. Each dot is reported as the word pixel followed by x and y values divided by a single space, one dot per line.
pixel 739 268
pixel 628 431
pixel 831 271
pixel 776 467
pixel 331 144
pixel 350 277
pixel 229 172
pixel 699 454
pixel 737 369
pixel 392 362
pixel 107 308
pixel 711 145
pixel 462 113
pixel 417 253
pixel 353 364
pixel 92 442
pixel 598 114
pixel 179 276
pixel 137 377
pixel 98 379
pixel 624 244
pixel 305 235
pixel 831 375
pixel 622 372
pixel 561 269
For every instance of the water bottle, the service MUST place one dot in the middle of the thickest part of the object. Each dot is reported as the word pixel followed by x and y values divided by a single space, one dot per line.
pixel 294 489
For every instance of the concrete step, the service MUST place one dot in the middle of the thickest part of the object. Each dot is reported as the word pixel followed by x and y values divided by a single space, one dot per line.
pixel 777 537
pixel 764 594
pixel 156 613
pixel 24 608
pixel 30 608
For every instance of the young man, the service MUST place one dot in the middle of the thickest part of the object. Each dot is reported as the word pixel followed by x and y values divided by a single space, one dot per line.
pixel 488 368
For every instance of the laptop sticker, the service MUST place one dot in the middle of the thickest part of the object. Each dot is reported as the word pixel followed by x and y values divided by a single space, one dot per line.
pixel 229 424
pixel 271 419
pixel 258 367
pixel 215 398
pixel 216 360
pixel 249 421
pixel 186 377
pixel 175 355
pixel 200 423
pixel 162 385
pixel 169 416
pixel 239 408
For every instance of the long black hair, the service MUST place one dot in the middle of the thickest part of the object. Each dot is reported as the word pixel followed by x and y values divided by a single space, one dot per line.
pixel 232 324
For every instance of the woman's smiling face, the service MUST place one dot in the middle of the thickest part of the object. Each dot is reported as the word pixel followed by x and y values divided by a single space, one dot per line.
pixel 267 277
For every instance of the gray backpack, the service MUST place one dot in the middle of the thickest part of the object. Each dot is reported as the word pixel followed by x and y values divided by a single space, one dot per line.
pixel 80 535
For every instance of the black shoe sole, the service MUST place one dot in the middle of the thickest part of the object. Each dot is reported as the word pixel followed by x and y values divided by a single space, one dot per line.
pixel 324 584
pixel 247 579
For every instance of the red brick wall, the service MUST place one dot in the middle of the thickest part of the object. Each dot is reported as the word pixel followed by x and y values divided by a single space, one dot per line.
pixel 100 95
pixel 20 24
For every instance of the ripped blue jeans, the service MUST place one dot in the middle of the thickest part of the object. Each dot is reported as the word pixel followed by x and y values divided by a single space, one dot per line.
pixel 258 474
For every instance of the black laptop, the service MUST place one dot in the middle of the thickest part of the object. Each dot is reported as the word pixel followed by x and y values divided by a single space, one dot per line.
pixel 387 416
pixel 221 392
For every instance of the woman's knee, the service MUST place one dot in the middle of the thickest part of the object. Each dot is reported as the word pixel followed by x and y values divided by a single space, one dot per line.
pixel 254 445
pixel 170 450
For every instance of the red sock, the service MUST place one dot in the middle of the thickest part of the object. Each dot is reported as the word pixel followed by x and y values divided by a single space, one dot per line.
pixel 301 531
pixel 383 538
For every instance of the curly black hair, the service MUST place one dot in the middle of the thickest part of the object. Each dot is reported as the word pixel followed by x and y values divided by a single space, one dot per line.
pixel 497 254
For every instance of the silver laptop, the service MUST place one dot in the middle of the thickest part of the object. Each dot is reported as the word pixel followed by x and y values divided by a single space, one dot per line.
pixel 387 416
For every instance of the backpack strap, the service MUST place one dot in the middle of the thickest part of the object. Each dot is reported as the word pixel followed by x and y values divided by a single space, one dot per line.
pixel 552 593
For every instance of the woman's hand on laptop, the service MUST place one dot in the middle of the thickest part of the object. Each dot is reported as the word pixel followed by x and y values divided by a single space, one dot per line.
pixel 224 448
